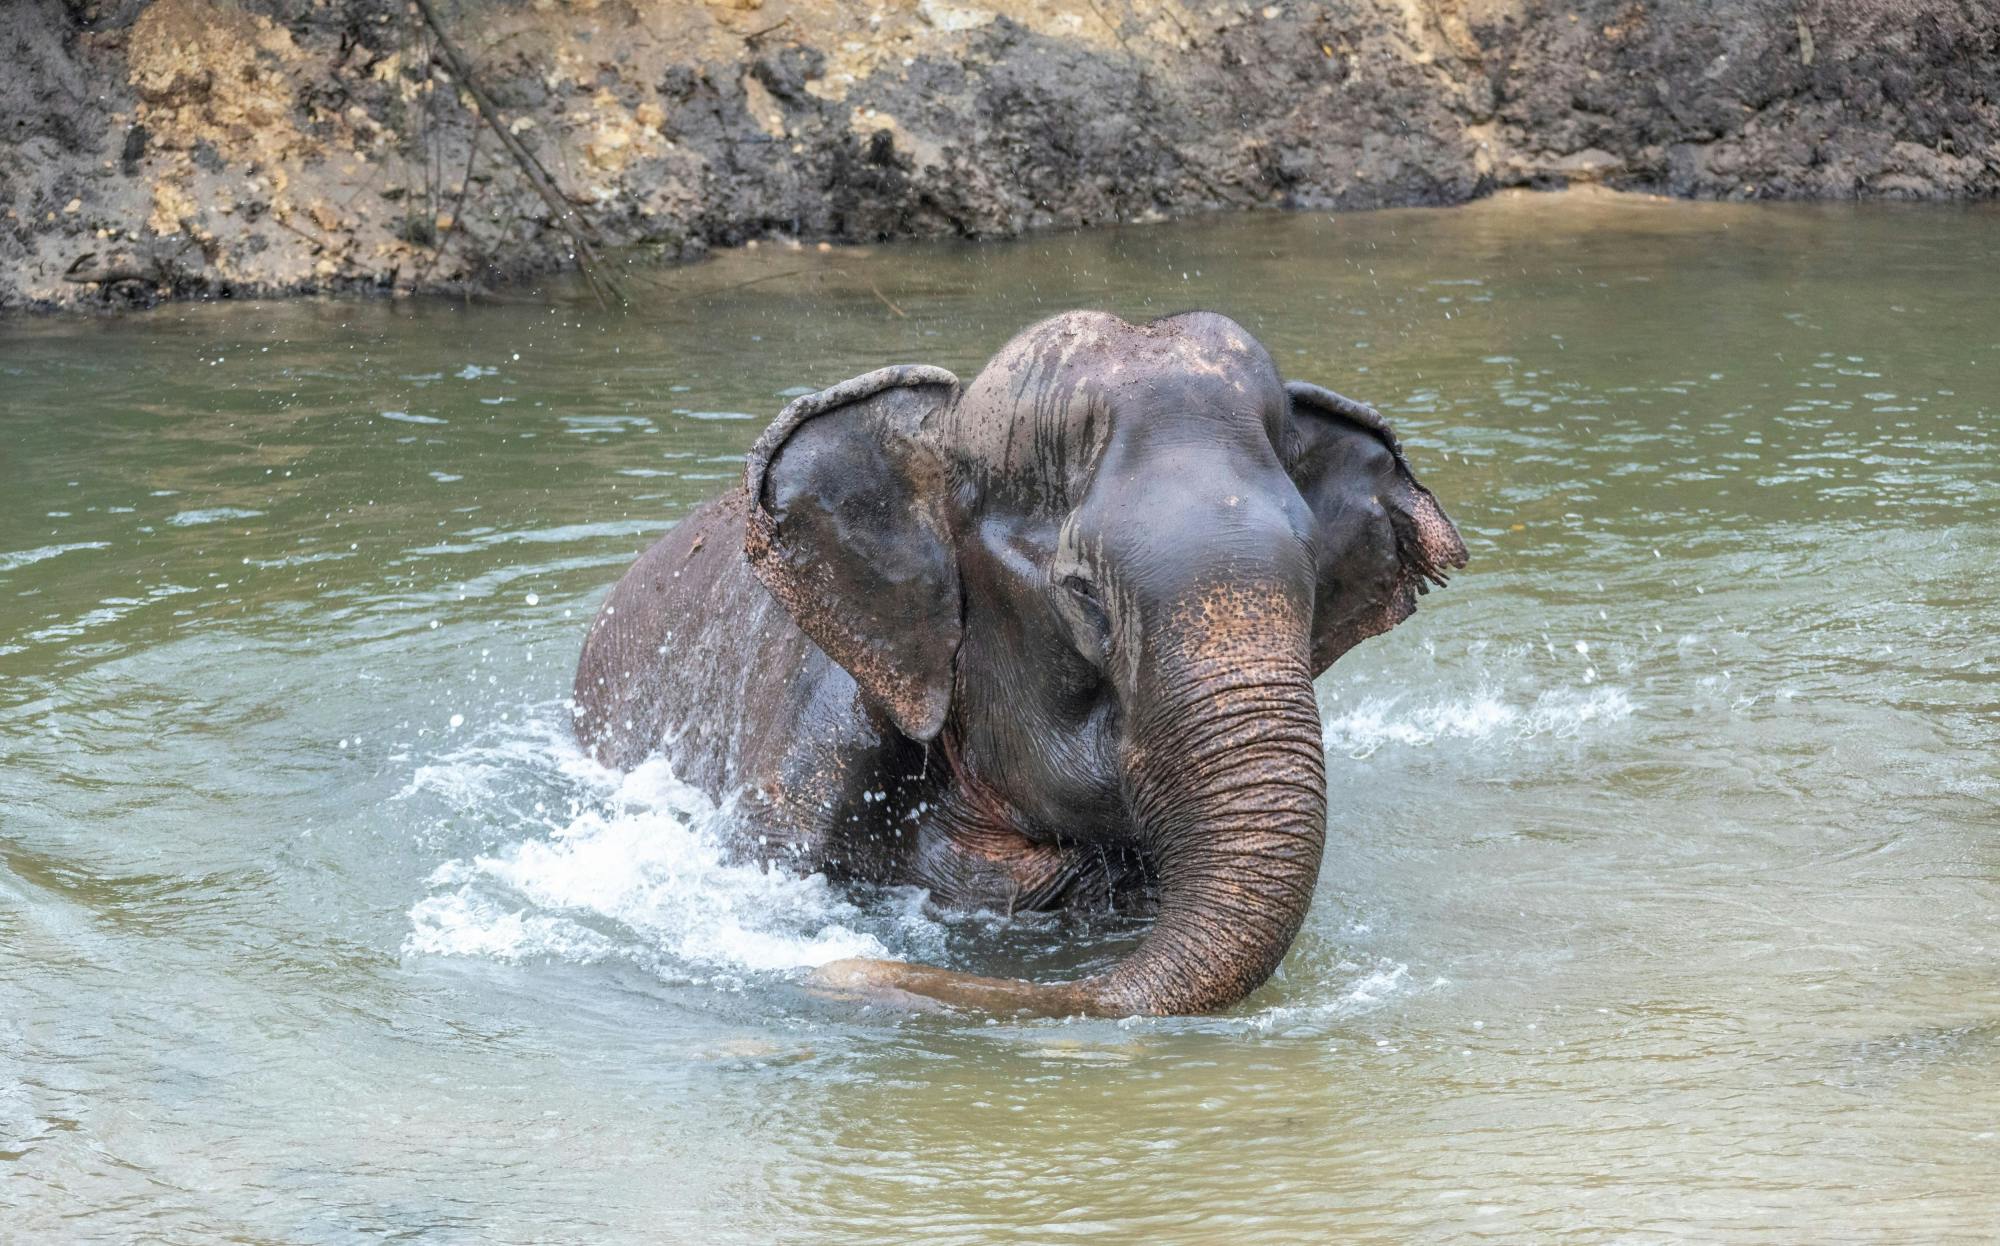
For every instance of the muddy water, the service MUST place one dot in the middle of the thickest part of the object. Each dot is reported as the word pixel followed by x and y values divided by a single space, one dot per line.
pixel 1661 893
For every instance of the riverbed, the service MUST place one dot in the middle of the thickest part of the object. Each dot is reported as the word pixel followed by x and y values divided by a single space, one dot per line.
pixel 1662 891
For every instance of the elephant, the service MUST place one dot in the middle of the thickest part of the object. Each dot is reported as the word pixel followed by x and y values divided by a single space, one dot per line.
pixel 1045 640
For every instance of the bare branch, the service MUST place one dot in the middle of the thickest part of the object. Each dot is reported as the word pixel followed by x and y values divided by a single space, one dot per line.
pixel 582 234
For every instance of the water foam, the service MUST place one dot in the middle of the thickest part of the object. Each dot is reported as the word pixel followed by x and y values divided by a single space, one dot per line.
pixel 213 514
pixel 1350 991
pixel 632 867
pixel 1561 713
pixel 13 561
pixel 584 865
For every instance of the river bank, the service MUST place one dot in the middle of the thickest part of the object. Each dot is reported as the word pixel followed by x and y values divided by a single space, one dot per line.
pixel 160 149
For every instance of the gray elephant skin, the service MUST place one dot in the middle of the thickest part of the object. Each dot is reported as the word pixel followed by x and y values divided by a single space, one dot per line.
pixel 1043 640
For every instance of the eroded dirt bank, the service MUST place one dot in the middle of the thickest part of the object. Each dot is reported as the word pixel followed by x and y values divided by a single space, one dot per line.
pixel 163 148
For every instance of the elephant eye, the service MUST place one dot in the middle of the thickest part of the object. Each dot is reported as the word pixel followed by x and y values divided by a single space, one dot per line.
pixel 1083 590
pixel 1095 635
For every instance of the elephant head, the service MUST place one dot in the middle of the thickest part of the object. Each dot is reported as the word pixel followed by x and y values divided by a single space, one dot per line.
pixel 1101 578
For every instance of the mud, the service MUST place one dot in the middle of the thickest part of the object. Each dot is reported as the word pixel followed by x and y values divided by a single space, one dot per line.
pixel 154 149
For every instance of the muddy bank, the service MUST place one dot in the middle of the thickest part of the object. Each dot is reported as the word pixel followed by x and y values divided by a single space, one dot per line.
pixel 205 148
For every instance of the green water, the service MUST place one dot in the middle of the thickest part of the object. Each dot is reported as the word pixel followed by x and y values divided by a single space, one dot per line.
pixel 1662 897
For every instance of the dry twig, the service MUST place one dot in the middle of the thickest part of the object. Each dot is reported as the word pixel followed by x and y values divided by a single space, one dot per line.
pixel 457 211
pixel 582 234
pixel 900 313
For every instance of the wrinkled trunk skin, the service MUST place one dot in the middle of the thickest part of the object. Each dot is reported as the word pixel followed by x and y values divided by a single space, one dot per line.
pixel 1229 781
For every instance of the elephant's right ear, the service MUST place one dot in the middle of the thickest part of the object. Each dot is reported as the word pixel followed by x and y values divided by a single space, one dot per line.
pixel 847 530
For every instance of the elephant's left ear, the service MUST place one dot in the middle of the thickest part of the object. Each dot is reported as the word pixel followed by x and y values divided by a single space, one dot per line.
pixel 847 530
pixel 1383 536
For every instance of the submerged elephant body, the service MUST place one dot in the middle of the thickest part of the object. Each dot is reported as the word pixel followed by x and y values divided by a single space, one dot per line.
pixel 1044 639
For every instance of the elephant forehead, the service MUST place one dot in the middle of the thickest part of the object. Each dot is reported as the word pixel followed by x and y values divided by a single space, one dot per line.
pixel 1050 401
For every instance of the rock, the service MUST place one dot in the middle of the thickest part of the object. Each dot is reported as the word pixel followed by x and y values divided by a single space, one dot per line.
pixel 680 126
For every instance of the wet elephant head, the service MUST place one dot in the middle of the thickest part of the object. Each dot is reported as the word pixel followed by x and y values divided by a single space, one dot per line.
pixel 1103 575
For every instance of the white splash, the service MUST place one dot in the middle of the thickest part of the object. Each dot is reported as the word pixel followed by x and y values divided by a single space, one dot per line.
pixel 1374 988
pixel 634 871
pixel 1562 713
pixel 214 514
pixel 1371 988
pixel 11 561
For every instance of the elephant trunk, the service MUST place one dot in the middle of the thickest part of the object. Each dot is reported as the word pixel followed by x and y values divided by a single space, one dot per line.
pixel 1229 783
pixel 1228 780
